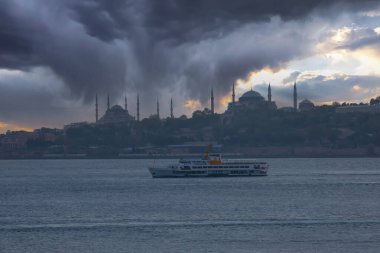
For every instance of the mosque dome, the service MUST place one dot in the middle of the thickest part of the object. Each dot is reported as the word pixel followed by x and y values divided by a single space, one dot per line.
pixel 306 102
pixel 117 108
pixel 251 96
pixel 116 114
pixel 306 105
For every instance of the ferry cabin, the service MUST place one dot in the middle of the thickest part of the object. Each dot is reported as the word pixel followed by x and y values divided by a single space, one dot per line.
pixel 227 168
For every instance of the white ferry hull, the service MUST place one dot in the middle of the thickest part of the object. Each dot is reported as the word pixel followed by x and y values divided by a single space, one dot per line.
pixel 163 172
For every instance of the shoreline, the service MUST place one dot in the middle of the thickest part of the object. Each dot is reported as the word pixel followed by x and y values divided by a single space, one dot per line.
pixel 188 156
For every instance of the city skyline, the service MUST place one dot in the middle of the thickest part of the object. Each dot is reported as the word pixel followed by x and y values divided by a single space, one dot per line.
pixel 50 72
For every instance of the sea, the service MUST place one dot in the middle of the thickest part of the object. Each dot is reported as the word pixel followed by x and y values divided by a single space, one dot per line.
pixel 303 205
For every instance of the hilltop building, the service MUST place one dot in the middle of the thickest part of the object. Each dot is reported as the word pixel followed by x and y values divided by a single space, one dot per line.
pixel 171 109
pixel 303 106
pixel 138 107
pixel 158 109
pixel 306 105
pixel 374 108
pixel 295 99
pixel 115 114
pixel 96 108
pixel 250 100
pixel 212 101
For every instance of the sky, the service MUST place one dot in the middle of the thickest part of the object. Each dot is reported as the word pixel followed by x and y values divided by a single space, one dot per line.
pixel 56 55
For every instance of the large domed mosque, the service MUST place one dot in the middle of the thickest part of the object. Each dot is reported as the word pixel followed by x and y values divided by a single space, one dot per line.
pixel 250 100
pixel 114 115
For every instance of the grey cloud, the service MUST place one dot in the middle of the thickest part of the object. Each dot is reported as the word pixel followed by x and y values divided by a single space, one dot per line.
pixel 320 88
pixel 360 39
pixel 49 39
pixel 101 46
pixel 24 104
pixel 292 77
pixel 49 35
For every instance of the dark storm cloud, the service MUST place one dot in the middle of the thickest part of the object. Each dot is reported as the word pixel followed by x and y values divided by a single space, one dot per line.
pixel 27 39
pixel 104 19
pixel 184 21
pixel 16 42
pixel 101 46
pixel 34 35
pixel 28 99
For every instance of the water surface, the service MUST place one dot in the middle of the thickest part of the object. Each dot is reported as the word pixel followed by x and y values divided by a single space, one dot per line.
pixel 304 205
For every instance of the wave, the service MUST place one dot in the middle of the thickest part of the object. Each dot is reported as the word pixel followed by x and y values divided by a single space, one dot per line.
pixel 192 223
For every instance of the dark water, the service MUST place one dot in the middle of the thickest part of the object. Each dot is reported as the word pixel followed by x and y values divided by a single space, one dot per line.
pixel 304 205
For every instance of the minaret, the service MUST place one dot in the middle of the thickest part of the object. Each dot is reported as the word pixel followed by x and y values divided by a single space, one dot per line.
pixel 233 93
pixel 295 96
pixel 96 108
pixel 138 107
pixel 125 103
pixel 269 93
pixel 158 109
pixel 171 108
pixel 108 101
pixel 212 100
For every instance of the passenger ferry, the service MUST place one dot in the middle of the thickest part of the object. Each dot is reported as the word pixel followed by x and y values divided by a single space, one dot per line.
pixel 211 166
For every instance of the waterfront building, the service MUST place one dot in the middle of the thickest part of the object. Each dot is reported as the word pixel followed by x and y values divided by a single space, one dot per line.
pixel 375 108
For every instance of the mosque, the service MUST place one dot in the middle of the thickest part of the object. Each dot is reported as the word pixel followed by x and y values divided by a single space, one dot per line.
pixel 119 115
pixel 250 100
pixel 115 115
pixel 253 100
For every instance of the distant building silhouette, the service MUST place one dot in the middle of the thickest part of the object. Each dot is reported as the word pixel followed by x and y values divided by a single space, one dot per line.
pixel 108 101
pixel 374 108
pixel 114 115
pixel 212 101
pixel 171 108
pixel 233 93
pixel 295 96
pixel 250 100
pixel 158 109
pixel 138 108
pixel 306 105
pixel 96 108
